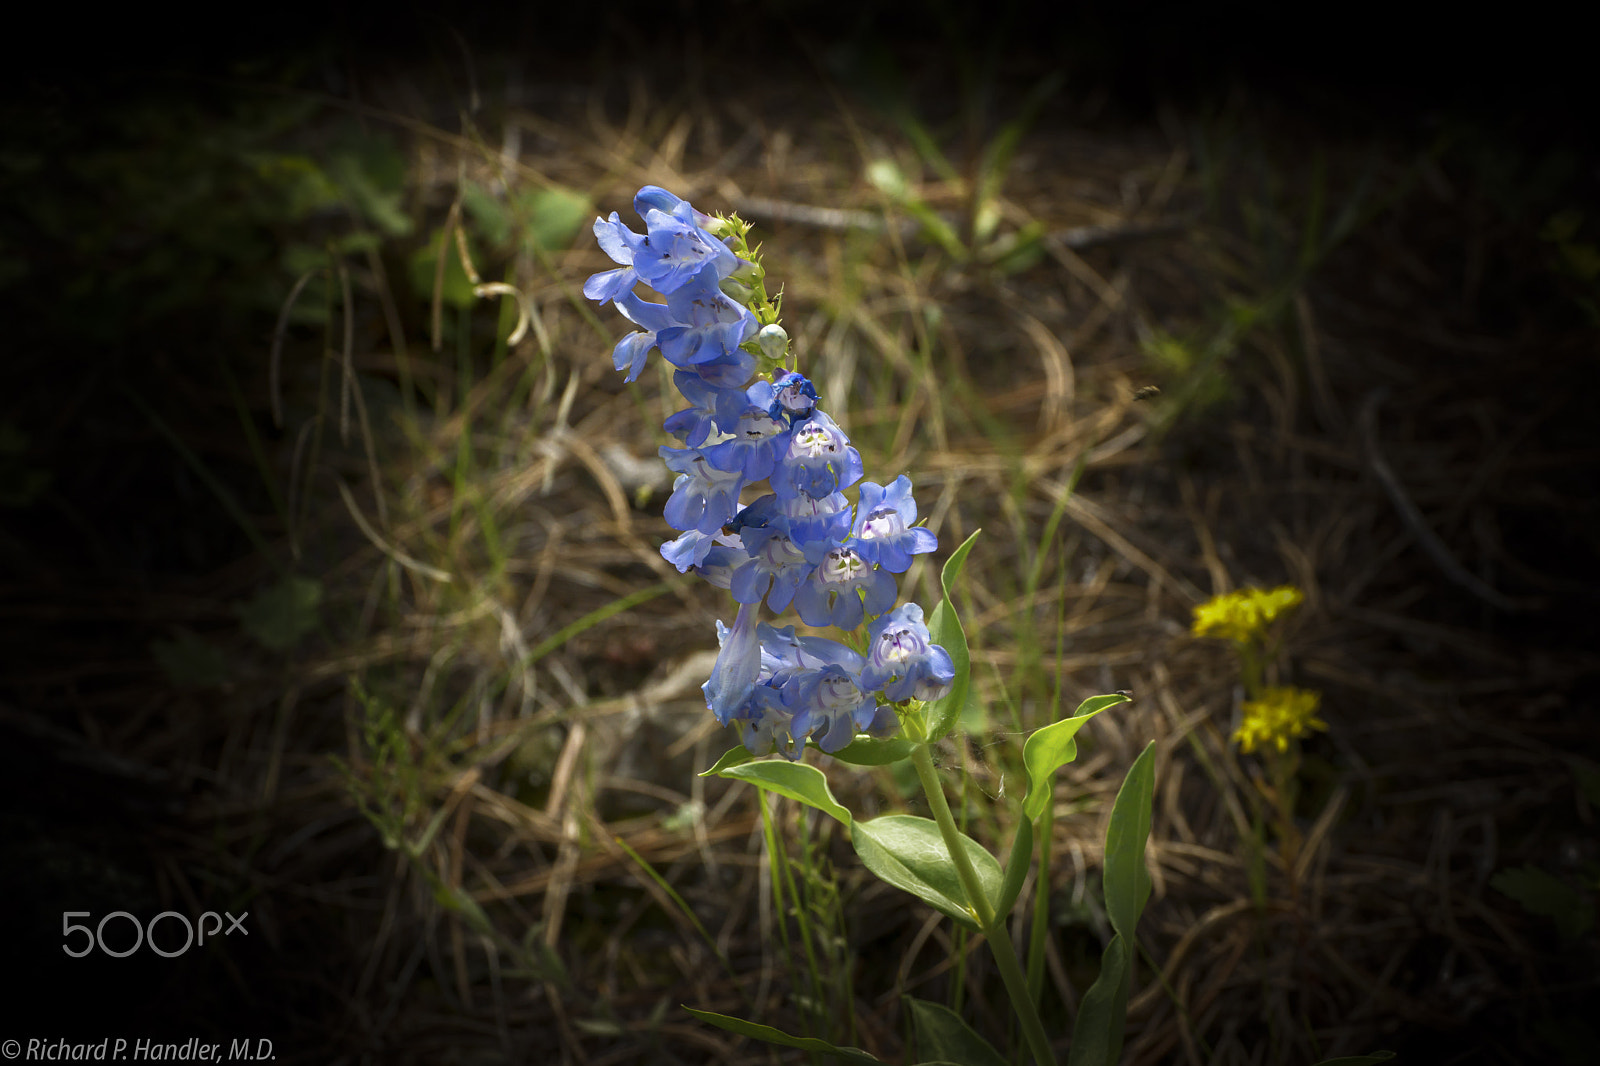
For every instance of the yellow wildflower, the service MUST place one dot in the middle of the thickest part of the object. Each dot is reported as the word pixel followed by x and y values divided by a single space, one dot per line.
pixel 1279 716
pixel 1245 613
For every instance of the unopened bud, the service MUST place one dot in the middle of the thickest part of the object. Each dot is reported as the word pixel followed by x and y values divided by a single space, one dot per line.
pixel 736 290
pixel 774 341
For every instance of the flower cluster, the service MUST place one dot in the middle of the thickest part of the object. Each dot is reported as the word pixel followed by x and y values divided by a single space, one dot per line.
pixel 1245 614
pixel 1279 716
pixel 799 544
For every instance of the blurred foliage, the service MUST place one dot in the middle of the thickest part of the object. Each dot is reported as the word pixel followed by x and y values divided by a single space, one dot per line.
pixel 281 614
pixel 189 660
pixel 161 204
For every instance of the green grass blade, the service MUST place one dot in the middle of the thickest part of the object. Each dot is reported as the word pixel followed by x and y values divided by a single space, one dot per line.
pixel 594 618
pixel 778 1036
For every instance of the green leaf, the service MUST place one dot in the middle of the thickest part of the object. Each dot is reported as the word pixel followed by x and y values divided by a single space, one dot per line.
pixel 282 613
pixel 1097 1034
pixel 778 1036
pixel 732 757
pixel 554 216
pixel 457 290
pixel 793 779
pixel 873 751
pixel 1017 864
pixel 943 1035
pixel 1359 1060
pixel 1052 747
pixel 1545 894
pixel 945 629
pixel 488 213
pixel 190 661
pixel 1127 882
pixel 909 853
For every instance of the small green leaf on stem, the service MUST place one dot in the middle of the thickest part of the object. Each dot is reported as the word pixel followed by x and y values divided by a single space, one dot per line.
pixel 873 751
pixel 945 629
pixel 734 756
pixel 1052 747
pixel 793 779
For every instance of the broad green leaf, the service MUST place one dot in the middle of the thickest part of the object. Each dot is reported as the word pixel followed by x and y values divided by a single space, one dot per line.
pixel 945 629
pixel 873 751
pixel 554 215
pixel 1017 864
pixel 1359 1060
pixel 732 757
pixel 793 779
pixel 943 1035
pixel 778 1036
pixel 1097 1034
pixel 1127 882
pixel 1545 894
pixel 909 853
pixel 281 614
pixel 1052 747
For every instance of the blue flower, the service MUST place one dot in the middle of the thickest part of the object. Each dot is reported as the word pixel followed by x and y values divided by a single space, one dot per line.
pixel 758 439
pixel 632 350
pixel 903 661
pixel 777 564
pixel 819 461
pixel 766 724
pixel 703 497
pixel 713 409
pixel 828 701
pixel 789 395
pixel 738 662
pixel 825 520
pixel 706 325
pixel 833 594
pixel 677 247
pixel 711 555
pixel 621 244
pixel 884 529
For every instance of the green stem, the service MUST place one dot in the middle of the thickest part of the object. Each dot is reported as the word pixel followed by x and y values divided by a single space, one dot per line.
pixel 993 926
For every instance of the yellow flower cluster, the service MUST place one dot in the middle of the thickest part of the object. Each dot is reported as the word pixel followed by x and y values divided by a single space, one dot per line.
pixel 1244 614
pixel 1279 716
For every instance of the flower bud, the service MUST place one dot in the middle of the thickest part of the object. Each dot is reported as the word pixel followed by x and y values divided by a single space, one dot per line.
pixel 774 341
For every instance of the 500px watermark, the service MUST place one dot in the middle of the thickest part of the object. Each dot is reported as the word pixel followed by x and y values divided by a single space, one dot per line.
pixel 146 933
pixel 141 1049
